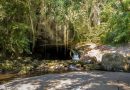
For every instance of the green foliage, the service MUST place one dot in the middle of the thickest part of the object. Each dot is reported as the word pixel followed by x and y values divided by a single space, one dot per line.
pixel 117 24
pixel 89 20
pixel 15 26
pixel 20 65
pixel 82 14
pixel 7 65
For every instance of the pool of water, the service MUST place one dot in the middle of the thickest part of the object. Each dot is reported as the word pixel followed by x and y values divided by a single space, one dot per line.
pixel 6 77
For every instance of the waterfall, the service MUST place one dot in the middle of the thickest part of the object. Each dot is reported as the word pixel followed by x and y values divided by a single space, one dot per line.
pixel 75 55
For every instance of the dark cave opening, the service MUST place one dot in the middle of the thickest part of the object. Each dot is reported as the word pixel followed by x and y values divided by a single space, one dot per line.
pixel 52 52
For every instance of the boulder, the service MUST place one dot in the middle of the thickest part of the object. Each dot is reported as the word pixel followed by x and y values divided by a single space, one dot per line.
pixel 93 50
pixel 114 62
pixel 88 52
pixel 76 67
pixel 89 60
pixel 95 53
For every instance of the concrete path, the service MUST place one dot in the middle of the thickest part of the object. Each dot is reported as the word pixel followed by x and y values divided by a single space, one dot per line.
pixel 95 80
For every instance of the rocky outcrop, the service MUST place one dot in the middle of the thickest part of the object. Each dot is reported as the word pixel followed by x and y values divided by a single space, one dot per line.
pixel 94 50
pixel 114 58
pixel 88 59
pixel 114 62
pixel 89 54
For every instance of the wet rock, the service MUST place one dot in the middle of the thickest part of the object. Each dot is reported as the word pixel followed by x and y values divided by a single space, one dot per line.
pixel 60 68
pixel 88 60
pixel 1 71
pixel 74 68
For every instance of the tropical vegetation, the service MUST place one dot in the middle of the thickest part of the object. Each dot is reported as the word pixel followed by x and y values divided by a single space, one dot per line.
pixel 24 22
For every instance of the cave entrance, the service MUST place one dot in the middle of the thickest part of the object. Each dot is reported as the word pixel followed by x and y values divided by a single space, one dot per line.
pixel 53 52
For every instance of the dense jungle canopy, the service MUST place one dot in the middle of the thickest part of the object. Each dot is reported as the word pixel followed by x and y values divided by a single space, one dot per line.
pixel 25 22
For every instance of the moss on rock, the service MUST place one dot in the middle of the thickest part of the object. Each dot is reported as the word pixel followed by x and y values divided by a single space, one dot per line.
pixel 114 62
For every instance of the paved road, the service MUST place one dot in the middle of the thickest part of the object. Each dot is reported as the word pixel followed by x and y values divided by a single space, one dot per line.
pixel 95 80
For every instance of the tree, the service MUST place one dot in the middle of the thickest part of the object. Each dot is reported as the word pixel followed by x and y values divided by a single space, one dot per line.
pixel 117 23
pixel 15 27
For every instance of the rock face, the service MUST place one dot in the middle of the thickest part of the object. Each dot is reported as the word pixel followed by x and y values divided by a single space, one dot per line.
pixel 89 60
pixel 114 62
pixel 89 53
pixel 95 53
pixel 112 58
pixel 93 50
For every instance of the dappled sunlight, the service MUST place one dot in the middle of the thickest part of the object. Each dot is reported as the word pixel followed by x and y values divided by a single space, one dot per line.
pixel 26 86
pixel 72 44
pixel 84 73
pixel 118 84
pixel 96 80
pixel 61 83
pixel 87 86
pixel 94 75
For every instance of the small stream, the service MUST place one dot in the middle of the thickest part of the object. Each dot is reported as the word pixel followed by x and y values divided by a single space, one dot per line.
pixel 6 77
